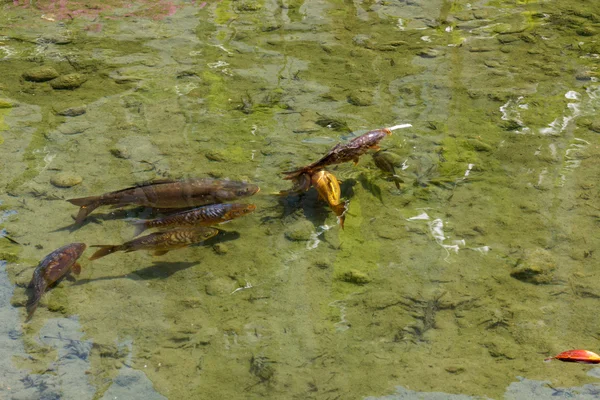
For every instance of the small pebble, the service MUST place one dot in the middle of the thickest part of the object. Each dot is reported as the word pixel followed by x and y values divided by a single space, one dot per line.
pixel 66 180
pixel 69 81
pixel 220 248
pixel 40 74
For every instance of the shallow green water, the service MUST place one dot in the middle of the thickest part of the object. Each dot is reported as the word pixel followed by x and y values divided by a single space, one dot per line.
pixel 462 281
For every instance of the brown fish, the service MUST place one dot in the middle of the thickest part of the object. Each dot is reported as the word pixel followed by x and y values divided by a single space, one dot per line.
pixel 341 153
pixel 387 162
pixel 51 270
pixel 159 242
pixel 168 194
pixel 328 188
pixel 301 183
pixel 201 216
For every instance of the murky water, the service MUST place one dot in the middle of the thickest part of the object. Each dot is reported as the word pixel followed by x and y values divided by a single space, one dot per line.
pixel 461 281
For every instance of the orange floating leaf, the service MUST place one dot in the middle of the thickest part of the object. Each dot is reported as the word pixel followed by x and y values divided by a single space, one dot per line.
pixel 579 356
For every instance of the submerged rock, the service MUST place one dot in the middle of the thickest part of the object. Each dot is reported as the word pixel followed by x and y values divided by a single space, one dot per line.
pixel 355 276
pixel 68 82
pixel 299 231
pixel 66 179
pixel 72 111
pixel 535 267
pixel 361 97
pixel 40 74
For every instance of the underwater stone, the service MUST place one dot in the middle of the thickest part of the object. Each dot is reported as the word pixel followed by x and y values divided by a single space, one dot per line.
pixel 72 111
pixel 355 276
pixel 74 127
pixel 220 248
pixel 122 153
pixel 361 98
pixel 595 126
pixel 535 267
pixel 4 103
pixel 429 53
pixel 586 31
pixel 40 74
pixel 219 286
pixel 66 180
pixel 299 231
pixel 478 145
pixel 216 155
pixel 68 82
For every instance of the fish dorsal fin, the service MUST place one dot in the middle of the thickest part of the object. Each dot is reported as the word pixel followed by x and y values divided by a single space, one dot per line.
pixel 147 183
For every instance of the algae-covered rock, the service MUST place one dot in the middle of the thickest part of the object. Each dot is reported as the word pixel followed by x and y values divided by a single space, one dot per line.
pixel 355 276
pixel 5 103
pixel 120 152
pixel 66 179
pixel 535 267
pixel 220 248
pixel 40 74
pixel 361 98
pixel 68 82
pixel 301 230
pixel 220 286
pixel 72 111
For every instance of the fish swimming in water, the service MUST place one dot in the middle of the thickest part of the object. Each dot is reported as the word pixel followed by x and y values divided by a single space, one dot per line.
pixel 387 162
pixel 159 242
pixel 201 216
pixel 51 270
pixel 168 194
pixel 328 188
pixel 341 153
pixel 301 183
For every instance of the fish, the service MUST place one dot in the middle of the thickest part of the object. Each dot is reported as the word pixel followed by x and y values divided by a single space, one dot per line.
pixel 387 162
pixel 168 194
pixel 578 356
pixel 301 183
pixel 328 188
pixel 201 216
pixel 159 242
pixel 342 153
pixel 55 266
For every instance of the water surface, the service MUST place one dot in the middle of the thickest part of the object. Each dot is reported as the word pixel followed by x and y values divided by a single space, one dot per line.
pixel 461 282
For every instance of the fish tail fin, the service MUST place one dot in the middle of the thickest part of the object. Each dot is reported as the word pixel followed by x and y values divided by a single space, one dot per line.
pixel 140 226
pixel 34 300
pixel 86 206
pixel 105 250
pixel 340 211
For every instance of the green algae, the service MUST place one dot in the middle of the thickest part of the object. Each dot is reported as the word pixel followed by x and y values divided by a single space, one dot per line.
pixel 383 292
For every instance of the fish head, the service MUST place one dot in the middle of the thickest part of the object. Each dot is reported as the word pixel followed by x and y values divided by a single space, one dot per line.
pixel 233 190
pixel 237 210
pixel 79 248
pixel 207 233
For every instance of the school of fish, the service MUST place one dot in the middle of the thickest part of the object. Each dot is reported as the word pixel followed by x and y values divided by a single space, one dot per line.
pixel 191 207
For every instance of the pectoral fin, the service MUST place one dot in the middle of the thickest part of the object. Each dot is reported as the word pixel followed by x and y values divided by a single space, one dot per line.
pixel 160 252
pixel 76 268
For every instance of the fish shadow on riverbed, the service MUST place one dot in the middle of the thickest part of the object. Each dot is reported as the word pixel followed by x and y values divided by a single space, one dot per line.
pixel 315 210
pixel 158 270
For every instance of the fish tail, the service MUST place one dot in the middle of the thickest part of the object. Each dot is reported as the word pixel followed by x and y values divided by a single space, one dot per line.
pixel 86 206
pixel 105 250
pixel 340 211
pixel 34 300
pixel 140 226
